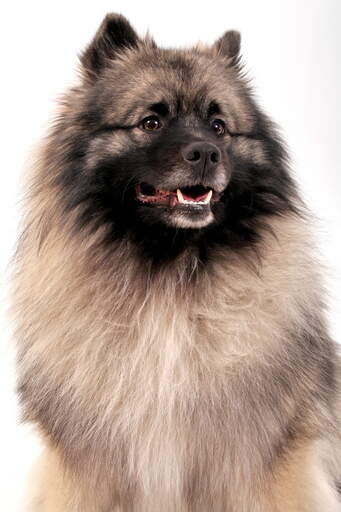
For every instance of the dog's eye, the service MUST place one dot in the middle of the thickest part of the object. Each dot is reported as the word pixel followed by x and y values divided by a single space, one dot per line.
pixel 218 126
pixel 151 123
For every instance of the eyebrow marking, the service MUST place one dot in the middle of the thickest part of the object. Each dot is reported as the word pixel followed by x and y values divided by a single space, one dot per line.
pixel 111 127
pixel 160 108
pixel 213 109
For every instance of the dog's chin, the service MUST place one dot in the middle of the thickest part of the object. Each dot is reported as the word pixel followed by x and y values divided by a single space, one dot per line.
pixel 194 217
pixel 179 217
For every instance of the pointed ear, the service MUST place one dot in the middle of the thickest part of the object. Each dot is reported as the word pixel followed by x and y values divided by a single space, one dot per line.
pixel 114 34
pixel 229 45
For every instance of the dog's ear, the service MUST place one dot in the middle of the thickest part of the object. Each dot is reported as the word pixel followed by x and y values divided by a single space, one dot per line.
pixel 229 45
pixel 114 35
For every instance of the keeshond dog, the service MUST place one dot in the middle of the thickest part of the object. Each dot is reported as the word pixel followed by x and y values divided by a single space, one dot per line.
pixel 172 344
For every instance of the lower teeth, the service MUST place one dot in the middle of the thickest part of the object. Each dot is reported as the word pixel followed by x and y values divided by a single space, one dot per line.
pixel 193 202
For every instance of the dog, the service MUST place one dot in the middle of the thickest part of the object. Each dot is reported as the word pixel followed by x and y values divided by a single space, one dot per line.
pixel 173 351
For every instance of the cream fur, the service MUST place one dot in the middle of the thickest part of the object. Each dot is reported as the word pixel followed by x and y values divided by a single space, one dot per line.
pixel 155 386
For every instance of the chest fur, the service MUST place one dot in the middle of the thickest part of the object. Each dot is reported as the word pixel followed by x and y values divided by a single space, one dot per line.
pixel 168 380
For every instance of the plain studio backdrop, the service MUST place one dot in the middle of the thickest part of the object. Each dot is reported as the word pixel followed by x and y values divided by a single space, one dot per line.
pixel 291 50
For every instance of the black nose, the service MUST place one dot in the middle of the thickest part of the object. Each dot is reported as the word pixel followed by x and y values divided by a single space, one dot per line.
pixel 203 156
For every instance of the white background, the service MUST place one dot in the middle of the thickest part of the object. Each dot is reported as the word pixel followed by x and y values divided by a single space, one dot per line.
pixel 291 48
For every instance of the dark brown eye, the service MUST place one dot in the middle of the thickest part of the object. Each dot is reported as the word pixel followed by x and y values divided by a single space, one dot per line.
pixel 151 123
pixel 218 126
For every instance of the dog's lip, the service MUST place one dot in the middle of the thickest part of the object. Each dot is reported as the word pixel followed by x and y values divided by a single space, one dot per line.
pixel 197 195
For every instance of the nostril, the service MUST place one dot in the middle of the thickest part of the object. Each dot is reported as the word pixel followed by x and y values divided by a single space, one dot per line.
pixel 214 157
pixel 193 156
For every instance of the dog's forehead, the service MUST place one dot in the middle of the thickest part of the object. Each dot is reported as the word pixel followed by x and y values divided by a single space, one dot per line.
pixel 187 81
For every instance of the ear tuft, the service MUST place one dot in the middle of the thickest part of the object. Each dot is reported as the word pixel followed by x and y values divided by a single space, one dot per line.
pixel 229 45
pixel 114 34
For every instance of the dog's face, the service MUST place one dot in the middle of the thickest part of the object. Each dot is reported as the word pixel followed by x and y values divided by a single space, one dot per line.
pixel 168 145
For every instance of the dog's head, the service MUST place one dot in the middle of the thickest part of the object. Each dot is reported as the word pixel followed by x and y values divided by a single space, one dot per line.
pixel 168 147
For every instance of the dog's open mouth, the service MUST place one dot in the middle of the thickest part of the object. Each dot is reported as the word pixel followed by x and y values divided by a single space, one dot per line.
pixel 194 196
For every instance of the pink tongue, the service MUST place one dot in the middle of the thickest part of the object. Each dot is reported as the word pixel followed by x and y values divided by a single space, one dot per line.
pixel 194 199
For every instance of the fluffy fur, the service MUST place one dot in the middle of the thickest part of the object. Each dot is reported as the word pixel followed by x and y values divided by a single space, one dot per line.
pixel 170 367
